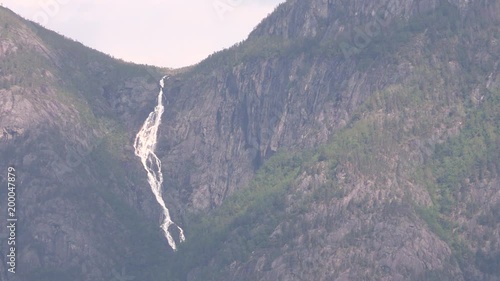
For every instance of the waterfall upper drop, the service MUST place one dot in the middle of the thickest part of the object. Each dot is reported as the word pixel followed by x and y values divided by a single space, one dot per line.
pixel 145 144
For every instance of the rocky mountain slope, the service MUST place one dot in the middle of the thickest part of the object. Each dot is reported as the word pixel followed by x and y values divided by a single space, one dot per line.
pixel 68 120
pixel 404 95
pixel 343 140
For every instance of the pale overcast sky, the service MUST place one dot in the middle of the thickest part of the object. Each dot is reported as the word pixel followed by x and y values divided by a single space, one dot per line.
pixel 169 33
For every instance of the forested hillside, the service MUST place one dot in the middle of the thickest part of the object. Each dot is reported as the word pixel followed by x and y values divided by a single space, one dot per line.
pixel 343 140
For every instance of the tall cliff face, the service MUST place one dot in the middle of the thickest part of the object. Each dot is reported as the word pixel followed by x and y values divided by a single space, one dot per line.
pixel 330 145
pixel 292 84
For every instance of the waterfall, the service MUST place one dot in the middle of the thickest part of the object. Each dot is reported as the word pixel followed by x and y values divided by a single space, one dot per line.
pixel 144 145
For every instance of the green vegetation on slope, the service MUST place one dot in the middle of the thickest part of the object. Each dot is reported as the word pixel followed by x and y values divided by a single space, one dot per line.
pixel 242 224
pixel 463 161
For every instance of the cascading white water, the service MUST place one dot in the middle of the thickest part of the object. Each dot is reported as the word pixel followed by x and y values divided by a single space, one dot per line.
pixel 145 144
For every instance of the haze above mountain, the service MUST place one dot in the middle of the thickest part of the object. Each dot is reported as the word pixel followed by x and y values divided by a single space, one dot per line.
pixel 190 30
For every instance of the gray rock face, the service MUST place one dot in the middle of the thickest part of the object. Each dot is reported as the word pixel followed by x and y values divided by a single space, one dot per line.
pixel 221 124
pixel 226 124
pixel 69 115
